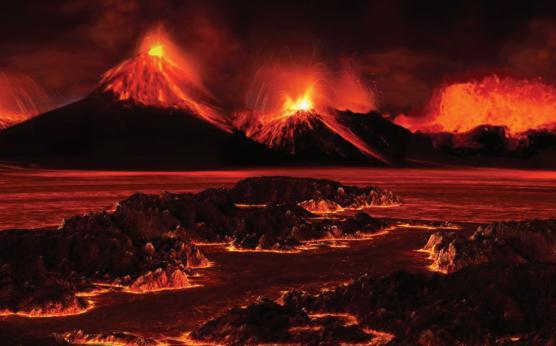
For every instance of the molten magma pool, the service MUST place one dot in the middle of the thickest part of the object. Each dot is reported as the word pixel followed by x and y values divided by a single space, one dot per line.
pixel 37 198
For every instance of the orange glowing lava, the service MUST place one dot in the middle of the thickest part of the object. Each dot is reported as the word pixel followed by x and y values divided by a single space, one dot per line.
pixel 161 75
pixel 21 98
pixel 519 105
pixel 304 103
pixel 286 100
pixel 52 310
pixel 157 50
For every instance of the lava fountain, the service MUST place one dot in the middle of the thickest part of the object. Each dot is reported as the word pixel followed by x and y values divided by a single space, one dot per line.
pixel 518 105
pixel 160 75
pixel 21 98
pixel 287 100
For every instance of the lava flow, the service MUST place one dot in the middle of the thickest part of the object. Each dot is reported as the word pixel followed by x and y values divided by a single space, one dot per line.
pixel 518 105
pixel 286 101
pixel 20 99
pixel 160 75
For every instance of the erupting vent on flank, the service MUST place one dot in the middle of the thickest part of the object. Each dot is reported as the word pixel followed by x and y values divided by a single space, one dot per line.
pixel 291 109
pixel 160 76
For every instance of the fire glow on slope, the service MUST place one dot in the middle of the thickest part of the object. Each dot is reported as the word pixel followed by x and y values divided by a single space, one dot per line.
pixel 519 105
pixel 285 99
pixel 20 99
pixel 159 75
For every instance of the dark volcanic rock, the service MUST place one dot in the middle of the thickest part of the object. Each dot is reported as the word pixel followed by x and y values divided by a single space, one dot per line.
pixel 496 142
pixel 264 190
pixel 505 242
pixel 145 244
pixel 267 322
pixel 79 337
pixel 278 221
pixel 41 270
pixel 480 305
pixel 101 131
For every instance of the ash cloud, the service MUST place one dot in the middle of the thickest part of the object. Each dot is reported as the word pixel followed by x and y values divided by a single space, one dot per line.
pixel 406 48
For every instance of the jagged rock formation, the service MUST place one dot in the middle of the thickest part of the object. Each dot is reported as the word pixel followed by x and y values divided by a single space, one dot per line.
pixel 79 337
pixel 312 194
pixel 481 305
pixel 145 244
pixel 42 271
pixel 488 145
pixel 266 322
pixel 506 242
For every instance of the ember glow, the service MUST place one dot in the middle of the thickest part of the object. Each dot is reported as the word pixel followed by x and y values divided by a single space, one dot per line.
pixel 285 100
pixel 519 105
pixel 20 99
pixel 303 103
pixel 161 75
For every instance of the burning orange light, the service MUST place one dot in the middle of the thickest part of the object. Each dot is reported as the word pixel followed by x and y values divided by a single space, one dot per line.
pixel 302 103
pixel 160 75
pixel 287 97
pixel 519 105
pixel 157 50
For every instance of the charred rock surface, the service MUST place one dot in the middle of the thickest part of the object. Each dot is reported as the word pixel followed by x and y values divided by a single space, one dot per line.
pixel 79 337
pixel 101 131
pixel 42 270
pixel 266 322
pixel 480 305
pixel 277 222
pixel 309 193
pixel 145 244
pixel 505 242
pixel 496 144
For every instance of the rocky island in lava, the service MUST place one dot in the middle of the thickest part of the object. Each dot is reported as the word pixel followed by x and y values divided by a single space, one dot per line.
pixel 147 243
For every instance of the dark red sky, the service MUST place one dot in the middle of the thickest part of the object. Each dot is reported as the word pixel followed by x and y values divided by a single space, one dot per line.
pixel 405 47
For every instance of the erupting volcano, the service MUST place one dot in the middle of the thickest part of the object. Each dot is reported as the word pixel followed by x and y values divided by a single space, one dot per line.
pixel 294 109
pixel 20 99
pixel 517 105
pixel 159 75
pixel 151 110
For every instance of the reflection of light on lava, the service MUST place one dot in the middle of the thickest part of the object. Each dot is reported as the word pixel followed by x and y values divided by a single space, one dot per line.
pixel 38 313
pixel 186 339
pixel 113 339
pixel 199 243
pixel 245 206
pixel 348 319
pixel 315 244
pixel 159 290
pixel 433 267
pixel 93 293
pixel 379 337
pixel 127 289
pixel 296 250
pixel 428 227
